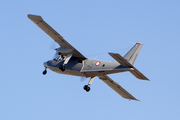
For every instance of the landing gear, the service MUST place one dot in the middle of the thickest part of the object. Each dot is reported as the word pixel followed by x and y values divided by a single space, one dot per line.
pixel 44 72
pixel 62 67
pixel 66 60
pixel 87 88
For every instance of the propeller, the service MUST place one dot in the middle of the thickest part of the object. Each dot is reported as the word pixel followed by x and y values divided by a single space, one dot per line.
pixel 56 55
pixel 53 46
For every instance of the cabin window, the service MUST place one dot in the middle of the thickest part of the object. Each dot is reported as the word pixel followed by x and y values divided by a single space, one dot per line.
pixel 79 61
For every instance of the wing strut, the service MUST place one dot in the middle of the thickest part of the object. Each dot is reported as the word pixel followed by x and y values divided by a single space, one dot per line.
pixel 67 59
pixel 86 87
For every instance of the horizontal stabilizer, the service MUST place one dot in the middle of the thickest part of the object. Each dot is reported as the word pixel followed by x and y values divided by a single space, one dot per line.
pixel 120 59
pixel 124 62
pixel 138 74
pixel 116 87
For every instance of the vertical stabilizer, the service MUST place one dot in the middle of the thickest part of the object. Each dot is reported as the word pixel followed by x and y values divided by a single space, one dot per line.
pixel 133 53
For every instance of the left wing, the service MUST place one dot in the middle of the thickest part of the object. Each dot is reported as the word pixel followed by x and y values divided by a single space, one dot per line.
pixel 116 87
pixel 54 35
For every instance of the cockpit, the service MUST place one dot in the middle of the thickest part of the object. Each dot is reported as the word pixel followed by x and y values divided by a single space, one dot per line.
pixel 58 57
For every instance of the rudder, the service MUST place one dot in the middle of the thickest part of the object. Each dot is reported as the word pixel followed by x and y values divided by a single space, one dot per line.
pixel 132 54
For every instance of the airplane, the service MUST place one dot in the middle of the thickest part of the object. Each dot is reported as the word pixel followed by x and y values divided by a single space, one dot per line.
pixel 71 62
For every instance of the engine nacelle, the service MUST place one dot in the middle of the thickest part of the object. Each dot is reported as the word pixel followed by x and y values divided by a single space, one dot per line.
pixel 63 51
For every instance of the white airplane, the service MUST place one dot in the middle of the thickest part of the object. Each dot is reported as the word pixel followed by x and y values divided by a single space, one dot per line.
pixel 71 62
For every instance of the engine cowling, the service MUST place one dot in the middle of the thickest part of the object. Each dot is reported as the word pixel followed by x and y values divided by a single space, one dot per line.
pixel 63 51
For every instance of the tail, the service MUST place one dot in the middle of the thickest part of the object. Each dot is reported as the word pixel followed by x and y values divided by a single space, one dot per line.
pixel 129 59
pixel 131 56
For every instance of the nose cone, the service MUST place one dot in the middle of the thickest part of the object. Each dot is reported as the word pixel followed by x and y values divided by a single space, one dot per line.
pixel 51 63
pixel 45 64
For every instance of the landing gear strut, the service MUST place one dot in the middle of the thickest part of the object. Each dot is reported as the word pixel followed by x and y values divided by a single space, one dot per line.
pixel 86 87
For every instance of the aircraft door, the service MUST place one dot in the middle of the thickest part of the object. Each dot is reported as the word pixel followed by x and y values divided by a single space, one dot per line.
pixel 88 64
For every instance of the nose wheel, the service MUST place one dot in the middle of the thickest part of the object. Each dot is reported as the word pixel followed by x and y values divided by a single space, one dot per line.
pixel 45 71
pixel 87 88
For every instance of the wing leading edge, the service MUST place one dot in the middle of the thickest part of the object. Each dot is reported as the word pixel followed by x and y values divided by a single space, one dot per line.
pixel 116 87
pixel 54 35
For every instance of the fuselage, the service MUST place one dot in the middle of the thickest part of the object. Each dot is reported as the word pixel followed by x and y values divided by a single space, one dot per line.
pixel 86 67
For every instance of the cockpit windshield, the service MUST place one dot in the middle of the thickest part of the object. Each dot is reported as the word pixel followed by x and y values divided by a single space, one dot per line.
pixel 56 56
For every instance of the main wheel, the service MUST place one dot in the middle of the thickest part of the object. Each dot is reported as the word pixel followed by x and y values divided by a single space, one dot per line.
pixel 87 88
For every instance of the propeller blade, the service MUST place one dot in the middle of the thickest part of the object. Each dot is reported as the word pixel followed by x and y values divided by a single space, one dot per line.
pixel 55 55
pixel 53 46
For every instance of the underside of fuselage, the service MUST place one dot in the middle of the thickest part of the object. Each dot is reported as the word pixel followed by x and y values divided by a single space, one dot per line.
pixel 85 68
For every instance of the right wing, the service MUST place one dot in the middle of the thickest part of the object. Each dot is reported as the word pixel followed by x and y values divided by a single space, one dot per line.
pixel 116 87
pixel 54 35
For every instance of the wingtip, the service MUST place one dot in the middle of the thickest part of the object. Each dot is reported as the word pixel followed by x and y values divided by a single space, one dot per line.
pixel 135 99
pixel 145 79
pixel 30 15
pixel 34 17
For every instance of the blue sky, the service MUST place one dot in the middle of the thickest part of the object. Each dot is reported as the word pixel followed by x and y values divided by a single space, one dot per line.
pixel 94 28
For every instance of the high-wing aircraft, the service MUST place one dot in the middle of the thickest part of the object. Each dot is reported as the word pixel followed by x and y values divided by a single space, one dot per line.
pixel 71 62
